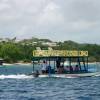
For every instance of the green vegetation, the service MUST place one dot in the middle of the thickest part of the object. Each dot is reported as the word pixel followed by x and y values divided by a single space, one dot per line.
pixel 13 51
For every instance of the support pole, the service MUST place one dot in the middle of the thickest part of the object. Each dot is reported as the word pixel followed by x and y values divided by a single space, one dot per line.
pixel 49 61
pixel 87 63
pixel 70 65
pixel 49 68
pixel 33 65
pixel 79 64
pixel 84 65
pixel 69 61
pixel 54 65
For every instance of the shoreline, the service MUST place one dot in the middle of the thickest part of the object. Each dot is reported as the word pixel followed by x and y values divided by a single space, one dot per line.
pixel 8 64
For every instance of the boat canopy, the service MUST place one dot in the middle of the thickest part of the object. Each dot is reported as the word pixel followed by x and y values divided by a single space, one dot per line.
pixel 59 53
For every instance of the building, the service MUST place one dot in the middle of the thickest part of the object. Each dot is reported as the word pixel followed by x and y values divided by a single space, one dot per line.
pixel 51 44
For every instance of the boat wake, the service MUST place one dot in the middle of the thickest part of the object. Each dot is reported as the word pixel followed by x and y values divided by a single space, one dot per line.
pixel 97 75
pixel 19 76
pixel 23 76
pixel 57 76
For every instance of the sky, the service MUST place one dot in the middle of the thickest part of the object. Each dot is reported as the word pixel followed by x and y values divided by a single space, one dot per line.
pixel 58 20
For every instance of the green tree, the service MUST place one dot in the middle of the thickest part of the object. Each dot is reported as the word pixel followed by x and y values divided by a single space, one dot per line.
pixel 10 51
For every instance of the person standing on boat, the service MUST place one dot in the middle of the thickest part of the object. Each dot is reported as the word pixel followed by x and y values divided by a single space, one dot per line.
pixel 44 67
pixel 58 64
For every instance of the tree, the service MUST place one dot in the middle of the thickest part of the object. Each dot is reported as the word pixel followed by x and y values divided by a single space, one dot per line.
pixel 10 51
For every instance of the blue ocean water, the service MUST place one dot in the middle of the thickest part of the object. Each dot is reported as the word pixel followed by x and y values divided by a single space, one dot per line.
pixel 15 84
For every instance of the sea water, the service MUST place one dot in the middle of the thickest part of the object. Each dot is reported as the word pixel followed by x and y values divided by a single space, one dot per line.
pixel 16 84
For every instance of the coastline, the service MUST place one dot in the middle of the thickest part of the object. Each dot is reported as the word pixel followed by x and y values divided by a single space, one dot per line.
pixel 10 64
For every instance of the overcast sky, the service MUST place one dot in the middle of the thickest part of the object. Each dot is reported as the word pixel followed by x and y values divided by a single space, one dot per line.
pixel 58 20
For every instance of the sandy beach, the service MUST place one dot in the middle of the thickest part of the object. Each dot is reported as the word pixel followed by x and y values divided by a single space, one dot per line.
pixel 8 64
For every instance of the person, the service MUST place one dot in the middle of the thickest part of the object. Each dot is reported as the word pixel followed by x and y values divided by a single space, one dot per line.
pixel 62 68
pixel 76 68
pixel 71 69
pixel 48 68
pixel 58 65
pixel 67 68
pixel 44 67
pixel 36 74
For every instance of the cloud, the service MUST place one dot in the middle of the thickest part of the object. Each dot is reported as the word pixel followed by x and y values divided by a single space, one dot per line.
pixel 55 19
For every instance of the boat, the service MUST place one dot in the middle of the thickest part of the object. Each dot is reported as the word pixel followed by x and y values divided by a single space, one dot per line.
pixel 62 63
pixel 70 75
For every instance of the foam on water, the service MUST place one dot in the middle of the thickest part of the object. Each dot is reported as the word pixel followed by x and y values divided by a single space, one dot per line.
pixel 19 76
pixel 97 75
pixel 57 76
pixel 23 76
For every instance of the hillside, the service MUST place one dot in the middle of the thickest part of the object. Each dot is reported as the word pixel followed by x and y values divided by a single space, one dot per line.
pixel 13 51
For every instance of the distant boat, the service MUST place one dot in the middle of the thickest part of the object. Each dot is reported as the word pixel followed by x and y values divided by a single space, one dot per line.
pixel 1 62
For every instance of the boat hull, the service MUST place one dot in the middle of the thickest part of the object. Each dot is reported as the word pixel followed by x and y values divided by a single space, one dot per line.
pixel 70 75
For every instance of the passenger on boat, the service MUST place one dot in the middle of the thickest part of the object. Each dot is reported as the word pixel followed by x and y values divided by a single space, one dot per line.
pixel 58 63
pixel 71 69
pixel 66 68
pixel 76 68
pixel 60 70
pixel 44 67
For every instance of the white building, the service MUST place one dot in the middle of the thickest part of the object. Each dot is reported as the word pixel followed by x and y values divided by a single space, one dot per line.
pixel 51 44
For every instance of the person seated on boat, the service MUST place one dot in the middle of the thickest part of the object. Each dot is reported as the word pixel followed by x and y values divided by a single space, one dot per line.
pixel 44 67
pixel 76 68
pixel 60 69
pixel 71 69
pixel 66 68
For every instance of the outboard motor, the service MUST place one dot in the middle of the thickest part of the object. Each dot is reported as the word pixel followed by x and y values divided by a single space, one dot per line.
pixel 36 74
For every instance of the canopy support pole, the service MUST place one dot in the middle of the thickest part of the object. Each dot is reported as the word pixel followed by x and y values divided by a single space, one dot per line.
pixel 87 63
pixel 54 65
pixel 70 62
pixel 79 64
pixel 84 65
pixel 33 65
pixel 49 69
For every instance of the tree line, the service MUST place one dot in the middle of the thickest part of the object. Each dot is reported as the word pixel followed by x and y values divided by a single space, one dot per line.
pixel 12 51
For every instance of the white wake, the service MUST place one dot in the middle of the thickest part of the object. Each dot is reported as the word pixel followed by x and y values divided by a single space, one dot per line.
pixel 19 76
